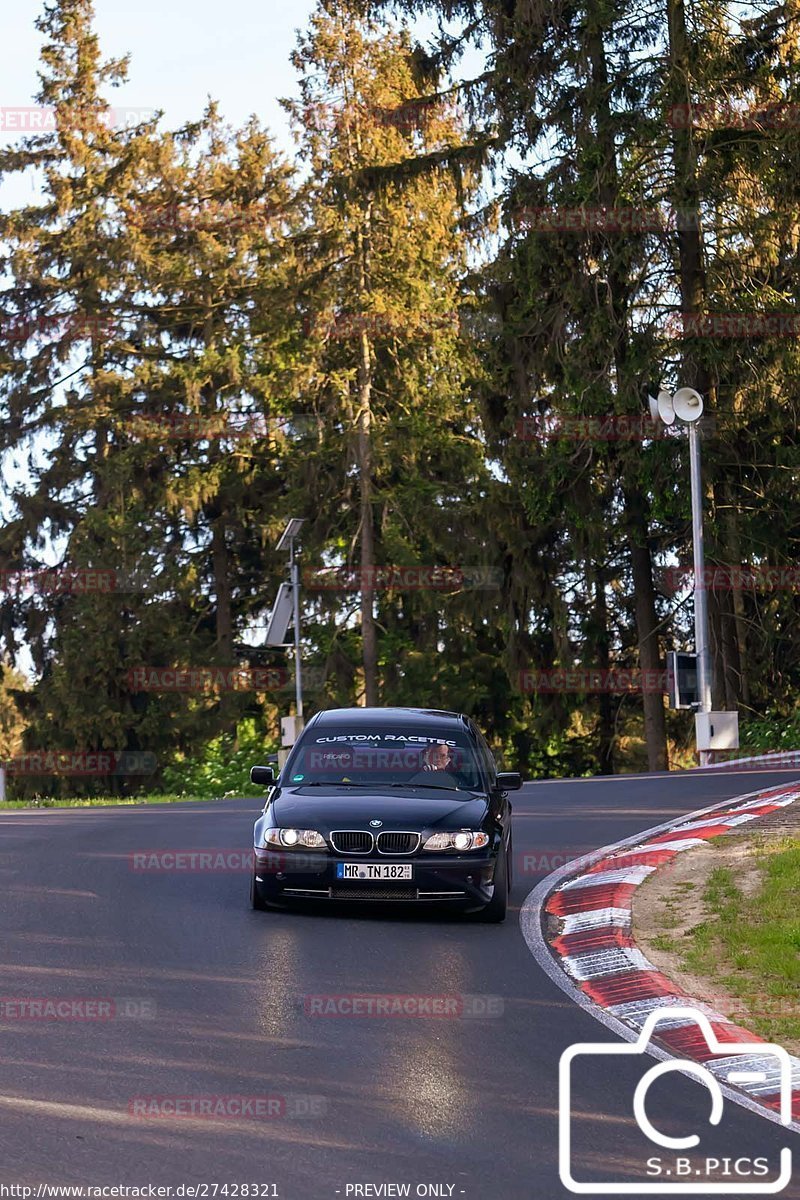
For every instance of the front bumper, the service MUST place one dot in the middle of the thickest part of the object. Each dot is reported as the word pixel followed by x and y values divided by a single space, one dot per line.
pixel 466 881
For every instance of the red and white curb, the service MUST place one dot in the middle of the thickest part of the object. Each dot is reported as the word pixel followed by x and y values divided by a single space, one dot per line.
pixel 595 960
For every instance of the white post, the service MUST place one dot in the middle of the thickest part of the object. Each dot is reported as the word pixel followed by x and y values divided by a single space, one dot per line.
pixel 700 596
pixel 298 680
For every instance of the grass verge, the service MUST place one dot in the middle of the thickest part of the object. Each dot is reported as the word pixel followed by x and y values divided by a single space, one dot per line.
pixel 112 801
pixel 749 941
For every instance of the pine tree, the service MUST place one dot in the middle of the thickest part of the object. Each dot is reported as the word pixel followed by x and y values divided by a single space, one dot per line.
pixel 212 386
pixel 380 290
pixel 148 267
pixel 65 341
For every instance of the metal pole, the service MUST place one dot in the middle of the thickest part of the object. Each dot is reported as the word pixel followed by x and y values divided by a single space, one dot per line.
pixel 700 598
pixel 295 576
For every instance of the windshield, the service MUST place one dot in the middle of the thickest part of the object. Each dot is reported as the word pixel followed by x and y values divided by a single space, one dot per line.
pixel 384 757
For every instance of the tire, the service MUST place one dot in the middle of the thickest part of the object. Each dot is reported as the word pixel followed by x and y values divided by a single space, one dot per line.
pixel 495 910
pixel 255 900
pixel 510 863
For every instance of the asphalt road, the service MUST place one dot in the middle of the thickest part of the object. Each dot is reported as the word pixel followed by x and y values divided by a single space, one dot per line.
pixel 466 1103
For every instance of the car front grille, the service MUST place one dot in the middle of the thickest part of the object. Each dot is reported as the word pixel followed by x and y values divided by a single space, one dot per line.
pixel 351 841
pixel 373 893
pixel 398 843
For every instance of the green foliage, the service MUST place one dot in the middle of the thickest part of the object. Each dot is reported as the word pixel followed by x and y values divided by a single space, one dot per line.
pixel 751 939
pixel 45 801
pixel 222 768
pixel 220 338
pixel 12 722
pixel 776 730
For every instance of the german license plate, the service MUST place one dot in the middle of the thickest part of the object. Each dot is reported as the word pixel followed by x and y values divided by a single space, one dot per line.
pixel 374 871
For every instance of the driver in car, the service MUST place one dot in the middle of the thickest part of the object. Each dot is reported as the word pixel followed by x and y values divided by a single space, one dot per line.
pixel 437 764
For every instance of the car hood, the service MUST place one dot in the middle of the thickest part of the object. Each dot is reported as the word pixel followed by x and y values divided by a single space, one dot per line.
pixel 406 808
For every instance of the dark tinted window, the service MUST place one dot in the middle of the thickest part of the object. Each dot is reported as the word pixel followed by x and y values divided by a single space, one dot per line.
pixel 406 754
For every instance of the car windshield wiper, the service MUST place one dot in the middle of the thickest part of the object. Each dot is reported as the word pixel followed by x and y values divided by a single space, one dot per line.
pixel 434 787
pixel 334 783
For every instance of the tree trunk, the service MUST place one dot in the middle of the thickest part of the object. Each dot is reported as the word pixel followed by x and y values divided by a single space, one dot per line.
pixel 221 569
pixel 627 392
pixel 685 187
pixel 722 651
pixel 222 588
pixel 600 638
pixel 723 626
pixel 733 552
pixel 655 725
pixel 369 640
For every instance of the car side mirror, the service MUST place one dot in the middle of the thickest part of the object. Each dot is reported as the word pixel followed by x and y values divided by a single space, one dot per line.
pixel 262 775
pixel 509 781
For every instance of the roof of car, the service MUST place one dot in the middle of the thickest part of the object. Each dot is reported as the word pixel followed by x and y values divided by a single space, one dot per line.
pixel 386 716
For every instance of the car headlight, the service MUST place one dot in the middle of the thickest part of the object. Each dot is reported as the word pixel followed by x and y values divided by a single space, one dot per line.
pixel 461 840
pixel 290 839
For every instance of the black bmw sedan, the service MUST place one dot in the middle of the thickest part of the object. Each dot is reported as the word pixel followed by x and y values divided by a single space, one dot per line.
pixel 387 805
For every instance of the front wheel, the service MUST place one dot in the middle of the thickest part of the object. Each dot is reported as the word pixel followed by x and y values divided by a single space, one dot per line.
pixel 255 899
pixel 495 910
